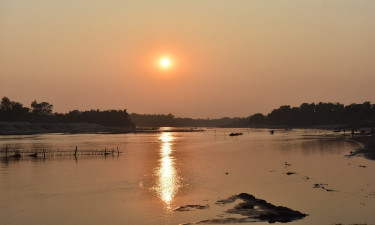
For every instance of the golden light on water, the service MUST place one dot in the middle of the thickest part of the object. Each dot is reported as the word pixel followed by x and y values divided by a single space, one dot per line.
pixel 168 183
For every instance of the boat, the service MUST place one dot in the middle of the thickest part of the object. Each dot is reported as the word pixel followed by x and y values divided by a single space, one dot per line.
pixel 33 155
pixel 235 134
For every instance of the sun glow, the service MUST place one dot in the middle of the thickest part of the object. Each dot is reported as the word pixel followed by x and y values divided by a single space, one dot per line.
pixel 165 62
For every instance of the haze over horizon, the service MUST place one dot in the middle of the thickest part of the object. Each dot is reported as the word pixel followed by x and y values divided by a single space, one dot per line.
pixel 221 58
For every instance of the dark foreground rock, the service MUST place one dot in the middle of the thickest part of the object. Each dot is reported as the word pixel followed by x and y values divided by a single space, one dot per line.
pixel 324 187
pixel 254 210
pixel 260 209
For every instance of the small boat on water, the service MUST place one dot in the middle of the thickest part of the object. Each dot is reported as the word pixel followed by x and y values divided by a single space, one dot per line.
pixel 33 155
pixel 16 155
pixel 235 134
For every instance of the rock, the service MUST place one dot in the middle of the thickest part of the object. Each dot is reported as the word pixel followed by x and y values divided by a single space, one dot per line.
pixel 260 210
pixel 252 209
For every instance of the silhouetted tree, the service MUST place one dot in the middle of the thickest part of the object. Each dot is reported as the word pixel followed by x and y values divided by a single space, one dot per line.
pixel 6 104
pixel 353 115
pixel 43 108
pixel 257 118
pixel 42 112
pixel 12 111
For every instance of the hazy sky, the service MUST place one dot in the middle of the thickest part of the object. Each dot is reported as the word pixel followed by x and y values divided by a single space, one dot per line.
pixel 229 58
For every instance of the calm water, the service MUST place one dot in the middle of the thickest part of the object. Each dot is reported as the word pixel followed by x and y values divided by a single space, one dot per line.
pixel 161 171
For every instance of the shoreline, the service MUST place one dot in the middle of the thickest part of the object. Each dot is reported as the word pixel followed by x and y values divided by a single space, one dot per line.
pixel 366 146
pixel 366 142
pixel 26 128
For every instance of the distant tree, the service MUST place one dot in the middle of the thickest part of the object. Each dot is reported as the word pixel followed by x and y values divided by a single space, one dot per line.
pixel 6 104
pixel 11 110
pixel 43 108
pixel 282 115
pixel 307 113
pixel 257 118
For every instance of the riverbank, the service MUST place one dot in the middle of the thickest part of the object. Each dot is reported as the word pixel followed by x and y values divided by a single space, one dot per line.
pixel 367 145
pixel 25 128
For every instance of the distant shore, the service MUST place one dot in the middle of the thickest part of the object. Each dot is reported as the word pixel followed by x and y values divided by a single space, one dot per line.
pixel 26 128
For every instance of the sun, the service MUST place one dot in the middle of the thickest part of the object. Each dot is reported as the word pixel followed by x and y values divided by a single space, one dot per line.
pixel 165 62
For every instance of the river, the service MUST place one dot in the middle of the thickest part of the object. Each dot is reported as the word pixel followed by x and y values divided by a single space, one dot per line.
pixel 155 173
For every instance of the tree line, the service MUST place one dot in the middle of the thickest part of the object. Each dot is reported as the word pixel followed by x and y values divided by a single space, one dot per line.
pixel 307 114
pixel 353 115
pixel 169 120
pixel 42 112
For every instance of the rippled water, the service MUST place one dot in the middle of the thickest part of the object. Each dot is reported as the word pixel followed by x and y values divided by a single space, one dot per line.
pixel 157 172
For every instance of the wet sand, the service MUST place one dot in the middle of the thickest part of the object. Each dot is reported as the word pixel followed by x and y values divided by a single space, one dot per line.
pixel 367 146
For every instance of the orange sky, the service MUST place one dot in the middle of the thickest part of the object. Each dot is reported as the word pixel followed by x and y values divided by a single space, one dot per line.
pixel 229 58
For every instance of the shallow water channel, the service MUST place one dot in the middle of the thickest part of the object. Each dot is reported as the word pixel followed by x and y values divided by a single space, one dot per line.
pixel 156 173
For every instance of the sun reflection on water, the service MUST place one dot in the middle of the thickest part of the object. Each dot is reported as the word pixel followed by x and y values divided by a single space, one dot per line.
pixel 168 183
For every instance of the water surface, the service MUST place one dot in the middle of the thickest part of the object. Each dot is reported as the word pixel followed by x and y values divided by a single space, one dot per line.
pixel 158 172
